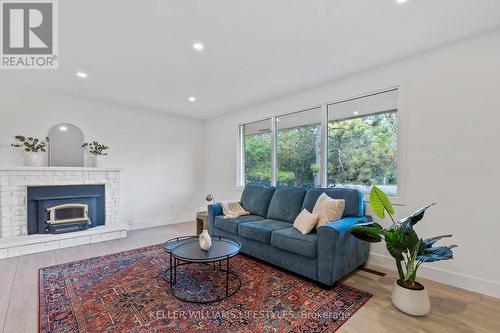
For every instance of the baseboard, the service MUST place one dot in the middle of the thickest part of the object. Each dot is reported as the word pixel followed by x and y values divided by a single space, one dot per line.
pixel 471 283
pixel 159 223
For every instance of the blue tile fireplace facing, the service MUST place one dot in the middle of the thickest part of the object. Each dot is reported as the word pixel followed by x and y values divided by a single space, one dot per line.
pixel 42 197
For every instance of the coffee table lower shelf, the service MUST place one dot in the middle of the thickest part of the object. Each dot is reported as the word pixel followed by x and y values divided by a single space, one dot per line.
pixel 201 281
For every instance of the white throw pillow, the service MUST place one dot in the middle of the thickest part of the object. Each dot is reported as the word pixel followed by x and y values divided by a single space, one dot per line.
pixel 305 222
pixel 328 209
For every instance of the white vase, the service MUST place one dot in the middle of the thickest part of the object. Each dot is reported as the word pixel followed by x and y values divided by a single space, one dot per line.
pixel 34 159
pixel 96 161
pixel 412 302
pixel 205 240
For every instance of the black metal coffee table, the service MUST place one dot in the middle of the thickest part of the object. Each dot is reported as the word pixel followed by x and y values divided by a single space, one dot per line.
pixel 199 276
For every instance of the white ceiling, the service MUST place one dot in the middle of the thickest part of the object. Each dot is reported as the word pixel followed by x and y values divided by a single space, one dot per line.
pixel 140 53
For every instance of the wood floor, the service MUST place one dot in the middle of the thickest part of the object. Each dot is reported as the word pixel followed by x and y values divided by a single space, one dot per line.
pixel 453 309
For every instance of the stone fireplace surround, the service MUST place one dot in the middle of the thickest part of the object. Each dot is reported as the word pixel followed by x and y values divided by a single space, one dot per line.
pixel 14 182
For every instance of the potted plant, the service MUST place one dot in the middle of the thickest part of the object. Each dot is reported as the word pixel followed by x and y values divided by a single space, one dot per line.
pixel 96 150
pixel 33 148
pixel 408 250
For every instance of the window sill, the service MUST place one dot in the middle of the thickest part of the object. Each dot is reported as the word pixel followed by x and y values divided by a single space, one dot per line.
pixel 395 200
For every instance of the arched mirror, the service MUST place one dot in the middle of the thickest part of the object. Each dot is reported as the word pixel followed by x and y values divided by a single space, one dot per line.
pixel 65 145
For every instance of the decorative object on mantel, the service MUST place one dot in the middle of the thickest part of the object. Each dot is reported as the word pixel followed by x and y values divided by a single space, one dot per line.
pixel 205 240
pixel 405 247
pixel 66 146
pixel 33 148
pixel 96 150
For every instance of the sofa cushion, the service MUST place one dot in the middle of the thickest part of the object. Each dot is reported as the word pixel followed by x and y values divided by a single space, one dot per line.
pixel 231 225
pixel 292 240
pixel 255 199
pixel 305 222
pixel 328 209
pixel 261 230
pixel 286 204
pixel 354 203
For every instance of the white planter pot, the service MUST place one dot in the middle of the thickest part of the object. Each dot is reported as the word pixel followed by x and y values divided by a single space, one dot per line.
pixel 412 302
pixel 205 240
pixel 34 159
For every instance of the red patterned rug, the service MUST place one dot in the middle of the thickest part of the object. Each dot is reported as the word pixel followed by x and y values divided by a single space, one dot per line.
pixel 125 292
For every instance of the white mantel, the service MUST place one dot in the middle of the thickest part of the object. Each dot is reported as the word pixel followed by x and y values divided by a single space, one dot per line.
pixel 14 182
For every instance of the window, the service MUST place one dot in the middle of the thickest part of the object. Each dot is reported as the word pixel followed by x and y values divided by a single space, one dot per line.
pixel 352 143
pixel 257 152
pixel 298 149
pixel 362 142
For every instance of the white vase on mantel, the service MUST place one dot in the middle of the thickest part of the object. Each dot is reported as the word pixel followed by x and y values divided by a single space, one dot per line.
pixel 205 240
pixel 97 161
pixel 34 159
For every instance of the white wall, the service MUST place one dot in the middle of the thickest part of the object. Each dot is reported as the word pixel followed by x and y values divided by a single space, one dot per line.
pixel 451 118
pixel 162 156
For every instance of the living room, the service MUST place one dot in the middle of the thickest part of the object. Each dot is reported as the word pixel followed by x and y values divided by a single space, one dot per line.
pixel 185 166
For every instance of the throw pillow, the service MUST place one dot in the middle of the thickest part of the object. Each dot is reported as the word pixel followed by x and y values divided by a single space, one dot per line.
pixel 328 209
pixel 305 222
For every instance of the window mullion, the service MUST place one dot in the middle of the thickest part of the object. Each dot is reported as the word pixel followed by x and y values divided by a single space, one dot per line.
pixel 324 145
pixel 273 151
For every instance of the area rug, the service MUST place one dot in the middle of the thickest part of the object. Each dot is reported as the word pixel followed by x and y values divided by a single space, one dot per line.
pixel 125 292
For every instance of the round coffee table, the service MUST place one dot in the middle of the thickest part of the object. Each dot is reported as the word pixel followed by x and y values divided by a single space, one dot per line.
pixel 199 276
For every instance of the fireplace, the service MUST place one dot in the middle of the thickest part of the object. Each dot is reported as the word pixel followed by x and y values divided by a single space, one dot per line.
pixel 60 209
pixel 67 217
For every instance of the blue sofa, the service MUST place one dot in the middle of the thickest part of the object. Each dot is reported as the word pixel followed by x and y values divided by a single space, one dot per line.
pixel 325 255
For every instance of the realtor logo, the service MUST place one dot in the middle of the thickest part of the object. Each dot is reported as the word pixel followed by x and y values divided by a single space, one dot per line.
pixel 29 34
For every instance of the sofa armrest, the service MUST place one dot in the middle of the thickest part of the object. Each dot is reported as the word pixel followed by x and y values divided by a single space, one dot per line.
pixel 213 211
pixel 339 253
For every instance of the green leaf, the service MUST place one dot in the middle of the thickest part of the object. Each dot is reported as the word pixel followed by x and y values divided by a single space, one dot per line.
pixel 427 243
pixel 369 232
pixel 437 254
pixel 395 244
pixel 416 216
pixel 380 203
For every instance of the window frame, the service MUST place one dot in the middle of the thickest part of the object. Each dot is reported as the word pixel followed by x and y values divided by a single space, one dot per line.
pixel 399 199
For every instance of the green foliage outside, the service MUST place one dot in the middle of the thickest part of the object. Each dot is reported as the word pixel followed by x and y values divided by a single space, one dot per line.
pixel 361 151
pixel 258 158
pixel 296 157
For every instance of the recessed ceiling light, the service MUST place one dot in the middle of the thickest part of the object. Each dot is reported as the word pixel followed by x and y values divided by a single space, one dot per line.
pixel 192 99
pixel 356 113
pixel 198 46
pixel 81 75
pixel 401 1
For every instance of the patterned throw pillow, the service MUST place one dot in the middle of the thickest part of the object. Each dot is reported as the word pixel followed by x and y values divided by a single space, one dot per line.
pixel 305 222
pixel 328 209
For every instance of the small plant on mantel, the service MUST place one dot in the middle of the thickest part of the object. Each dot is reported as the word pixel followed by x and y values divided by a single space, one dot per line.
pixel 30 144
pixel 95 148
pixel 408 250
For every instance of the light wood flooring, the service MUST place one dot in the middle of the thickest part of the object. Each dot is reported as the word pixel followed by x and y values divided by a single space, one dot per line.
pixel 453 309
